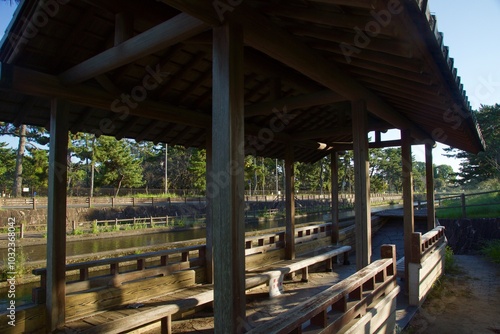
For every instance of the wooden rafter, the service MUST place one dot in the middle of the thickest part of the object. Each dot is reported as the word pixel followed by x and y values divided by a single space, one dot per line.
pixel 282 46
pixel 146 131
pixel 295 102
pixel 387 46
pixel 156 39
pixel 40 84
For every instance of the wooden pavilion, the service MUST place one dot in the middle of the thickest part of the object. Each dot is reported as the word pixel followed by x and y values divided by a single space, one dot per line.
pixel 296 80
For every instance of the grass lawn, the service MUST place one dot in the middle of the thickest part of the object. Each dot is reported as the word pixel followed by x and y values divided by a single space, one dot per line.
pixel 477 206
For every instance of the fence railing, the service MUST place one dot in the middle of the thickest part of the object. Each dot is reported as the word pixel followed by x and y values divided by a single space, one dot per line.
pixel 42 202
pixel 465 202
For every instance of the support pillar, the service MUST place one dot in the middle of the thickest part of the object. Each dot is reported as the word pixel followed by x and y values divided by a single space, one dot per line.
pixel 361 184
pixel 56 217
pixel 290 204
pixel 429 179
pixel 408 219
pixel 227 184
pixel 209 259
pixel 334 167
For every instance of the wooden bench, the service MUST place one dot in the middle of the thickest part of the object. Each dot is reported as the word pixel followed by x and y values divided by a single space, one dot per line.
pixel 274 274
pixel 366 299
pixel 165 307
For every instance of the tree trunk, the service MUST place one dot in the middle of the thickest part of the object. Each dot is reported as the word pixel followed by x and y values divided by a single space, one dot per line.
pixel 18 176
pixel 119 185
pixel 92 169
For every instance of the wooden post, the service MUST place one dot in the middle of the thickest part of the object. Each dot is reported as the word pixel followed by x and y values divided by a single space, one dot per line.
pixel 429 179
pixel 21 231
pixel 389 252
pixel 335 196
pixel 90 202
pixel 408 219
pixel 209 260
pixel 227 186
pixel 56 217
pixel 464 210
pixel 73 226
pixel 361 183
pixel 289 204
pixel 112 202
pixel 34 203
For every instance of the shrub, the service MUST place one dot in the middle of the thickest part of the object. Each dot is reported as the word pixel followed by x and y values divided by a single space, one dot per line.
pixel 492 250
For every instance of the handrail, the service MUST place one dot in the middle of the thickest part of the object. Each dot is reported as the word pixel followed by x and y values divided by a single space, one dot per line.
pixel 422 245
pixel 341 303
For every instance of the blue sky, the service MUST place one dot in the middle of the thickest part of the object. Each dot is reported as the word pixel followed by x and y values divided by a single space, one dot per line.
pixel 471 30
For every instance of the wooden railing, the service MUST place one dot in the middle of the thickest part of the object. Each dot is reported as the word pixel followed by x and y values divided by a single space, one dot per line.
pixel 426 263
pixel 119 269
pixel 271 241
pixel 423 245
pixel 342 303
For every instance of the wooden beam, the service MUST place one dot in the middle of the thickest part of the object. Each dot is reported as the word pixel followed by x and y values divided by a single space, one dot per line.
pixel 124 27
pixel 282 46
pixel 334 168
pixel 144 133
pixel 56 217
pixel 209 234
pixel 289 204
pixel 40 84
pixel 408 218
pixel 294 102
pixel 361 184
pixel 129 125
pixel 171 32
pixel 227 186
pixel 322 17
pixel 364 4
pixel 429 182
pixel 337 131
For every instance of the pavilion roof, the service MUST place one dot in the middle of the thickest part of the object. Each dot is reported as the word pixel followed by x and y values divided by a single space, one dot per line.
pixel 143 70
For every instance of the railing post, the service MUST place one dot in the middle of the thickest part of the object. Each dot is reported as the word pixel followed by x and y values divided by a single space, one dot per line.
pixel 73 226
pixel 90 202
pixel 151 221
pixel 166 221
pixel 464 211
pixel 112 202
pixel 133 201
pixel 152 201
pixel 116 223
pixel 416 247
pixel 389 252
pixel 34 203
pixel 21 231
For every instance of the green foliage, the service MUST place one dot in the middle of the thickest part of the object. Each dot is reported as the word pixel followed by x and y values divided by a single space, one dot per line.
pixel 492 250
pixel 450 265
pixel 95 227
pixel 7 165
pixel 77 231
pixel 485 165
pixel 116 165
pixel 19 263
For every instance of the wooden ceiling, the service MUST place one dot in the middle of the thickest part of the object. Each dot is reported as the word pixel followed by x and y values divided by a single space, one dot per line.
pixel 143 70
